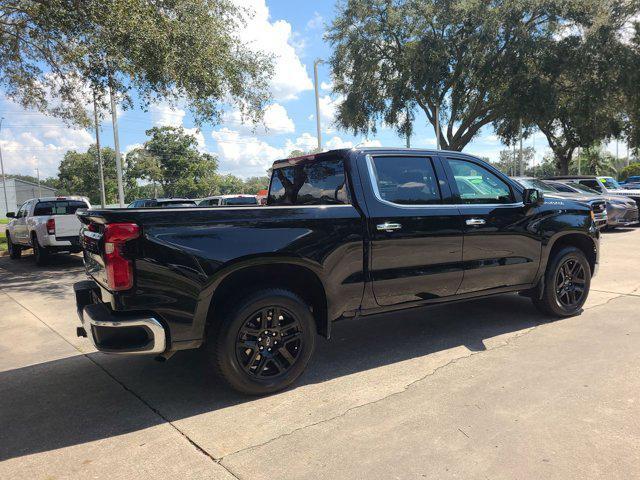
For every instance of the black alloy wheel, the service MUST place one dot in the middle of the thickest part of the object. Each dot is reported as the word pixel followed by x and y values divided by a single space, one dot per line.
pixel 570 283
pixel 269 342
pixel 263 341
pixel 567 280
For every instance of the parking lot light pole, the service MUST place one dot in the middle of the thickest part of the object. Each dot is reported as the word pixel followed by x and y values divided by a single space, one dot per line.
pixel 315 84
pixel 116 144
pixel 103 196
pixel 4 178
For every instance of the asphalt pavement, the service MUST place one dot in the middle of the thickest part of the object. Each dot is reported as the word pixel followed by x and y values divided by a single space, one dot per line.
pixel 481 389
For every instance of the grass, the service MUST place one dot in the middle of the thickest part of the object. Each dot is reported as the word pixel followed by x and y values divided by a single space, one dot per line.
pixel 4 220
pixel 3 242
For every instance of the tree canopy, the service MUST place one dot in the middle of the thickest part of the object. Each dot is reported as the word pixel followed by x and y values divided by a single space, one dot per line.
pixel 171 158
pixel 572 86
pixel 52 53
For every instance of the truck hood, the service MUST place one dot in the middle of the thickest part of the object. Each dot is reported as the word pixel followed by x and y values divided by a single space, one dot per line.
pixel 579 197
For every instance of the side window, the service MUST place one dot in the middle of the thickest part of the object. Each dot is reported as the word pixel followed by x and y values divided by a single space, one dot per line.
pixel 406 180
pixel 477 185
pixel 321 183
pixel 43 208
pixel 592 184
pixel 23 210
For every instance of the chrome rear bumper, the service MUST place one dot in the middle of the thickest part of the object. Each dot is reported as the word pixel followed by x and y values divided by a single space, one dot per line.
pixel 118 334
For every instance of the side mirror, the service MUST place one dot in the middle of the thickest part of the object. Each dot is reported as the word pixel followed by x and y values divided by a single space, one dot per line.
pixel 532 197
pixel 11 214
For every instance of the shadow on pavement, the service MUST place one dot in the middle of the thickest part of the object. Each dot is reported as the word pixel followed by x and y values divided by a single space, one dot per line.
pixel 25 275
pixel 69 402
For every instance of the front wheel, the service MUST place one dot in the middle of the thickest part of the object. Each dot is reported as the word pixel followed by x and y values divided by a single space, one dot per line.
pixel 15 251
pixel 264 343
pixel 566 285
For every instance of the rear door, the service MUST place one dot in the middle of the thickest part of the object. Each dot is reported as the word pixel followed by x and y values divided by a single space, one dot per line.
pixel 416 238
pixel 499 251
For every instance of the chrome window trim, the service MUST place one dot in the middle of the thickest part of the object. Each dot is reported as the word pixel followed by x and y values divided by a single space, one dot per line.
pixel 376 191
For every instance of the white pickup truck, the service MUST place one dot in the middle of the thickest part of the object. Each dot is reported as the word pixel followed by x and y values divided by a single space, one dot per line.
pixel 47 225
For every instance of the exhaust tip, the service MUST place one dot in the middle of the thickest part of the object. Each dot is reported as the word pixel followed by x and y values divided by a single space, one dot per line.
pixel 81 332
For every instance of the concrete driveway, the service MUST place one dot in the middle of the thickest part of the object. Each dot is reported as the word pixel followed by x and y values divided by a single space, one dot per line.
pixel 483 389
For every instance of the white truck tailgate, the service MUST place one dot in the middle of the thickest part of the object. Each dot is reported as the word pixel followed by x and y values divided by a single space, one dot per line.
pixel 67 225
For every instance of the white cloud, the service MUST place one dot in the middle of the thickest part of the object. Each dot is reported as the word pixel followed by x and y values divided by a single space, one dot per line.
pixel 163 114
pixel 42 146
pixel 315 22
pixel 244 155
pixel 328 110
pixel 337 142
pixel 276 38
pixel 276 121
pixel 132 147
pixel 326 86
pixel 202 145
pixel 304 142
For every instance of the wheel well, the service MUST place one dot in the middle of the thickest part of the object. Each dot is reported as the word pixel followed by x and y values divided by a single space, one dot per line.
pixel 295 278
pixel 583 242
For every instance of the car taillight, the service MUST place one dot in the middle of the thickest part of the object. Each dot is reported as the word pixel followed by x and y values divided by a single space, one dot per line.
pixel 119 268
pixel 51 226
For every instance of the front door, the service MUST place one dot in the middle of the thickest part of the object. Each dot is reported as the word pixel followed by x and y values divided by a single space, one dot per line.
pixel 416 240
pixel 20 226
pixel 499 251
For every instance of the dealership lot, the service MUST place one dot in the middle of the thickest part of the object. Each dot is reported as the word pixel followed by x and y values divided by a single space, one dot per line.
pixel 483 389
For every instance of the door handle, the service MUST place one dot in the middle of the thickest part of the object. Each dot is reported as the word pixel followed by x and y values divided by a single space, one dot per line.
pixel 388 227
pixel 475 221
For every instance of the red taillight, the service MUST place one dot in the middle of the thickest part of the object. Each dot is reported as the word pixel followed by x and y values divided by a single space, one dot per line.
pixel 119 268
pixel 51 226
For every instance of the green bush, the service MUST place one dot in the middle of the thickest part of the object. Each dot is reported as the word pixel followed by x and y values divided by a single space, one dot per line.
pixel 632 169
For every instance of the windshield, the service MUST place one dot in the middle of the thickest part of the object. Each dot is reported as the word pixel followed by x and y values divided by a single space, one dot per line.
pixel 584 188
pixel 537 184
pixel 610 183
pixel 176 204
pixel 241 201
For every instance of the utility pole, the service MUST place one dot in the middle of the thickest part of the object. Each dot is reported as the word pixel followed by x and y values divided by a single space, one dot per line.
pixel 103 196
pixel 437 127
pixel 513 164
pixel 39 186
pixel 116 144
pixel 627 160
pixel 4 178
pixel 520 159
pixel 315 84
pixel 408 130
pixel 579 163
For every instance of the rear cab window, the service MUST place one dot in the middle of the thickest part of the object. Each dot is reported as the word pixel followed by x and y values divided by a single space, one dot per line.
pixel 58 207
pixel 405 180
pixel 317 183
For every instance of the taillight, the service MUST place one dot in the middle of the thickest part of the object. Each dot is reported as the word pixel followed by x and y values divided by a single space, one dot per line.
pixel 119 268
pixel 51 226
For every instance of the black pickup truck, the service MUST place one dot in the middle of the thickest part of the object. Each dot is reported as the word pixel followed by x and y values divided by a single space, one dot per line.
pixel 345 233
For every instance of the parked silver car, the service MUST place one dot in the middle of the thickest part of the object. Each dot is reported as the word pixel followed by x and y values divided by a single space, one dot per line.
pixel 621 211
pixel 597 204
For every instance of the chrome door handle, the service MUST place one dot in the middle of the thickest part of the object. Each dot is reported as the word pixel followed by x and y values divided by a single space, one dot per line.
pixel 476 221
pixel 388 227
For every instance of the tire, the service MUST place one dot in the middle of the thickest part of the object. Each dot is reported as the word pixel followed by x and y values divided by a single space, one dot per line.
pixel 247 331
pixel 15 251
pixel 40 253
pixel 566 284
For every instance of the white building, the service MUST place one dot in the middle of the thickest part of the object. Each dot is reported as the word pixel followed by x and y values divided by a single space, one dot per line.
pixel 18 192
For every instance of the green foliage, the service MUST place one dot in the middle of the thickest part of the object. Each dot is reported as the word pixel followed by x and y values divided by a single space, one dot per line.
pixel 509 162
pixel 394 58
pixel 48 182
pixel 630 170
pixel 171 158
pixel 52 53
pixel 594 160
pixel 78 175
pixel 253 185
pixel 571 86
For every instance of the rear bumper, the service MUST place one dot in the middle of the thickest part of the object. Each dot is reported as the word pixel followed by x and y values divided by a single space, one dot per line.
pixel 119 334
pixel 62 243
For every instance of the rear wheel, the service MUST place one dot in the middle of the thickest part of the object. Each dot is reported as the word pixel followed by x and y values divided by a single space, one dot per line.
pixel 15 251
pixel 41 253
pixel 264 343
pixel 567 283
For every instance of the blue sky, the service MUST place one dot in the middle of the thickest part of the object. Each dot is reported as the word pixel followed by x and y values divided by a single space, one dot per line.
pixel 292 31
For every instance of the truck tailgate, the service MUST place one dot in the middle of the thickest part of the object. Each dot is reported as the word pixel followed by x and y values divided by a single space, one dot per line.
pixel 67 226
